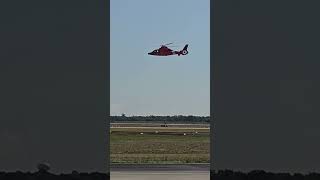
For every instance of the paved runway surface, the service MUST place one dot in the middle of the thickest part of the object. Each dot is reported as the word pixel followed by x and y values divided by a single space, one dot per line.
pixel 160 175
pixel 160 172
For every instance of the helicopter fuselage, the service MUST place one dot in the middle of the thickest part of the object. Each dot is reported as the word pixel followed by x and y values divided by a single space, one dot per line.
pixel 165 51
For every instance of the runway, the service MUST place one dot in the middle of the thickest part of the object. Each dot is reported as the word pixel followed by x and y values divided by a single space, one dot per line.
pixel 160 172
pixel 156 175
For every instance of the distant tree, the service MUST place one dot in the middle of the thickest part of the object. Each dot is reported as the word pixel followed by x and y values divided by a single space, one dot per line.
pixel 190 118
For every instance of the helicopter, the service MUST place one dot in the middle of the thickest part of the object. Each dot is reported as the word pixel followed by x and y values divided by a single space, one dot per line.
pixel 165 51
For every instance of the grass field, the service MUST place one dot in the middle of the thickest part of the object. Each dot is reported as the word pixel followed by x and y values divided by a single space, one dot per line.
pixel 168 145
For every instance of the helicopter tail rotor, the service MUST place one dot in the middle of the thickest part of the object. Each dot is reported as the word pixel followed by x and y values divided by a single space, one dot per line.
pixel 184 51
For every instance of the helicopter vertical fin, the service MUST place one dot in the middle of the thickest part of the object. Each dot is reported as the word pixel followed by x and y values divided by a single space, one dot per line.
pixel 184 51
pixel 185 47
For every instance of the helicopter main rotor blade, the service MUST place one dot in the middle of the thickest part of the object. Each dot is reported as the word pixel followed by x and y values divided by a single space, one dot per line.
pixel 168 44
pixel 173 46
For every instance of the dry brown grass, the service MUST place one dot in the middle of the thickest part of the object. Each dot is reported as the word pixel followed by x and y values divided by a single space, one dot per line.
pixel 155 148
pixel 160 158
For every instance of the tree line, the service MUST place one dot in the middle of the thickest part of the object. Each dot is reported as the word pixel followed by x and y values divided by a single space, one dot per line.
pixel 161 119
pixel 261 175
pixel 219 175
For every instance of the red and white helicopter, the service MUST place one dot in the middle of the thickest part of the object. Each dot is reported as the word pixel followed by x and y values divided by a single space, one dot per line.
pixel 165 51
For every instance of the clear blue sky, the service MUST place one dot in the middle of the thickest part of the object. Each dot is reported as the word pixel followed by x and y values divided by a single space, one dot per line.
pixel 149 85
